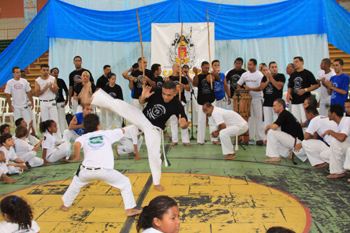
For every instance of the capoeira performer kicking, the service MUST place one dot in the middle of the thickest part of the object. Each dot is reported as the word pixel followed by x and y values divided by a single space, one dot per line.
pixel 229 123
pixel 161 104
pixel 130 143
pixel 98 164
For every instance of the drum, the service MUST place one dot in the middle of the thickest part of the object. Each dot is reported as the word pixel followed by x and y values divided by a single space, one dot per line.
pixel 241 104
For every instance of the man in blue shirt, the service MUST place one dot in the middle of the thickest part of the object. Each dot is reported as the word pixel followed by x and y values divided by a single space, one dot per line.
pixel 220 87
pixel 338 86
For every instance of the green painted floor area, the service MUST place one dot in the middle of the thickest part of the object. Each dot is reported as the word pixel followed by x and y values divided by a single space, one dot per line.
pixel 327 200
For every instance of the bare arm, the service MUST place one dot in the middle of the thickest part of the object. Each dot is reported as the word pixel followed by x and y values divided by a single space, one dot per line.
pixel 8 97
pixel 125 74
pixel 272 126
pixel 216 132
pixel 336 89
pixel 74 124
pixel 77 146
pixel 39 92
pixel 37 146
pixel 54 87
pixel 339 136
pixel 149 81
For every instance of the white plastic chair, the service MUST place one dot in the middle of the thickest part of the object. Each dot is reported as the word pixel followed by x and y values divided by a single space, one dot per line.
pixel 7 113
pixel 2 107
pixel 36 110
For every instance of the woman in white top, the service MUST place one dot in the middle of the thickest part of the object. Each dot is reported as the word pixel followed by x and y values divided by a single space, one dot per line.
pixel 18 216
pixel 161 215
pixel 24 150
pixel 52 149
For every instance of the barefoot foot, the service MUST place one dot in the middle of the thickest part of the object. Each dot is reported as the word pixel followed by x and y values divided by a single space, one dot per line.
pixel 231 156
pixel 320 165
pixel 199 144
pixel 277 159
pixel 7 180
pixel 173 144
pixel 64 208
pixel 64 160
pixel 335 176
pixel 159 188
pixel 186 144
pixel 46 164
pixel 132 212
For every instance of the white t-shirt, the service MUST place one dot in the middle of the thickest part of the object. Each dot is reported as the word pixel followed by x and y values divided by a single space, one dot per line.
pixel 321 124
pixel 151 230
pixel 48 94
pixel 10 155
pixel 97 147
pixel 324 97
pixel 49 143
pixel 229 117
pixel 8 227
pixel 252 80
pixel 18 90
pixel 132 132
pixel 344 127
pixel 22 147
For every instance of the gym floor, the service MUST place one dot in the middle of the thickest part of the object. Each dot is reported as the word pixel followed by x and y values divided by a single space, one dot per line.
pixel 242 195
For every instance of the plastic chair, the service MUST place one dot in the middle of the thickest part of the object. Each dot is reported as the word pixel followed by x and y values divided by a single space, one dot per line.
pixel 7 113
pixel 2 107
pixel 36 110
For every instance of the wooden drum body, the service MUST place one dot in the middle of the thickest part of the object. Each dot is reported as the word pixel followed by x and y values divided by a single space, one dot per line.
pixel 241 104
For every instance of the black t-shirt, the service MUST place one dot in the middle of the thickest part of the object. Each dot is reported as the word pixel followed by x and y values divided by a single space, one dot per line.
pixel 300 80
pixel 102 82
pixel 77 74
pixel 158 112
pixel 289 124
pixel 159 81
pixel 205 93
pixel 271 92
pixel 232 78
pixel 61 86
pixel 184 81
pixel 138 84
pixel 116 91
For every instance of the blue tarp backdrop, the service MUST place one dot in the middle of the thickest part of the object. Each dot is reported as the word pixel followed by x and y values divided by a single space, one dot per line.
pixel 287 18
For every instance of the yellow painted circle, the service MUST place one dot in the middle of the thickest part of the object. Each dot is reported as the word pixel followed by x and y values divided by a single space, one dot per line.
pixel 207 204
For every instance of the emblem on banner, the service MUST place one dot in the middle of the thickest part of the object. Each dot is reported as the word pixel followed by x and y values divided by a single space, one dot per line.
pixel 182 49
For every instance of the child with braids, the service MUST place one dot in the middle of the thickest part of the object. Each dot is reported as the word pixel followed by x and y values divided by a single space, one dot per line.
pixel 51 151
pixel 161 215
pixel 18 216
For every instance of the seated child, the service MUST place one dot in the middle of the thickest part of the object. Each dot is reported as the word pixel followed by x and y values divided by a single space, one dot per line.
pixel 31 137
pixel 130 143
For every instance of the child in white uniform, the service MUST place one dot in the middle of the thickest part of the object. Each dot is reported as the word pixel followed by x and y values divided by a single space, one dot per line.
pixel 98 164
pixel 130 143
pixel 51 151
pixel 18 216
pixel 24 150
pixel 31 137
pixel 161 215
pixel 9 154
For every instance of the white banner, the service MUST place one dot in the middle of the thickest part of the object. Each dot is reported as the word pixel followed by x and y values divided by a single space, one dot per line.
pixel 191 49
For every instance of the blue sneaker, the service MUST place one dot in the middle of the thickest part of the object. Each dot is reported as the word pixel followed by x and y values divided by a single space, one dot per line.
pixel 251 142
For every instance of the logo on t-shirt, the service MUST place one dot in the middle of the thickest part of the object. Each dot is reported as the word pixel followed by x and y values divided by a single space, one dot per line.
pixel 298 82
pixel 205 87
pixel 334 94
pixel 113 95
pixel 269 89
pixel 18 86
pixel 139 81
pixel 156 111
pixel 77 76
pixel 159 84
pixel 96 142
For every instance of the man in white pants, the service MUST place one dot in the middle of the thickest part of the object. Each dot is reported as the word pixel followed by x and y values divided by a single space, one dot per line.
pixel 339 144
pixel 101 83
pixel 19 88
pixel 229 124
pixel 272 87
pixel 205 94
pixel 324 76
pixel 76 128
pixel 300 84
pixel 46 89
pixel 130 143
pixel 252 80
pixel 279 142
pixel 98 164
pixel 161 104
pixel 313 144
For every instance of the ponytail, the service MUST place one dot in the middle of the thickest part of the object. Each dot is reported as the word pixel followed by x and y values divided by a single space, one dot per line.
pixel 18 211
pixel 45 125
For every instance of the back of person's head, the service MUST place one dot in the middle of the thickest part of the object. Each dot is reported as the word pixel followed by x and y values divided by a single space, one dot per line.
pixel 3 127
pixel 169 85
pixel 18 211
pixel 208 104
pixel 155 67
pixel 21 131
pixel 90 122
pixel 281 102
pixel 4 137
pixel 110 75
pixel 155 209
pixel 312 100
pixel 18 121
pixel 45 125
pixel 279 230
pixel 338 109
pixel 311 109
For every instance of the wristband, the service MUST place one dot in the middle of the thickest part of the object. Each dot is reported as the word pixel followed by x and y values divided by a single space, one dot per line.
pixel 306 90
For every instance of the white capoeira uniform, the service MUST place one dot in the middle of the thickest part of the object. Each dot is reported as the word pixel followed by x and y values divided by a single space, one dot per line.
pixel 18 90
pixel 110 116
pixel 13 227
pixel 135 116
pixel 25 152
pixel 129 139
pixel 255 121
pixel 325 99
pixel 61 111
pixel 48 102
pixel 279 142
pixel 53 152
pixel 151 230
pixel 235 126
pixel 175 128
pixel 338 150
pixel 314 147
pixel 98 164
pixel 10 155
